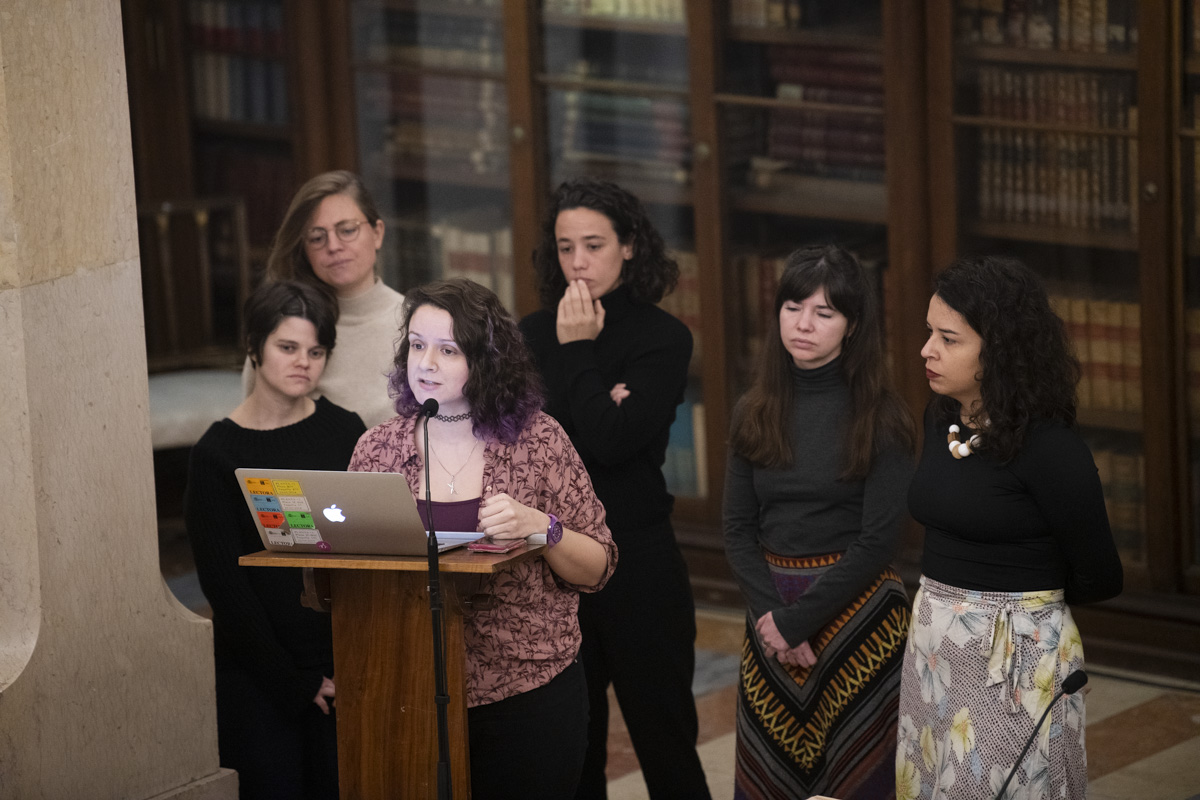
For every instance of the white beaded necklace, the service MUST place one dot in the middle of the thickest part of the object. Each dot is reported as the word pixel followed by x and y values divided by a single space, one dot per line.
pixel 961 449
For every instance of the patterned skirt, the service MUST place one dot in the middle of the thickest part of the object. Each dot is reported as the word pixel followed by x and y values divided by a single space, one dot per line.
pixel 979 670
pixel 828 729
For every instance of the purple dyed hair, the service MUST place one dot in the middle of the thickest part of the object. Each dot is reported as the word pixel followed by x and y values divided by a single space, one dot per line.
pixel 503 387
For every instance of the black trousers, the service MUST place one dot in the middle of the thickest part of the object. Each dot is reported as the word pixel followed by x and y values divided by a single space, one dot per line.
pixel 277 756
pixel 639 634
pixel 530 746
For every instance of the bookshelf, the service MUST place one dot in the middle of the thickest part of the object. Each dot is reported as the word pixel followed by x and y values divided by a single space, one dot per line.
pixel 1060 131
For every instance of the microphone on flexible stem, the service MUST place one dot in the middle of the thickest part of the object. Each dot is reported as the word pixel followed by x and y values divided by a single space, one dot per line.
pixel 441 697
pixel 1070 685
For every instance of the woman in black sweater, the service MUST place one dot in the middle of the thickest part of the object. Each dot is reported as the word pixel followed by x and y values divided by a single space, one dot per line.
pixel 1015 529
pixel 820 458
pixel 615 367
pixel 274 658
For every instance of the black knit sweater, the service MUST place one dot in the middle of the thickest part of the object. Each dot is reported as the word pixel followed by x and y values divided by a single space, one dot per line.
pixel 259 625
pixel 623 446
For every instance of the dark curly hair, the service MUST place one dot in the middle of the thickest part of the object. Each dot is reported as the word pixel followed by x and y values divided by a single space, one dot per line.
pixel 878 417
pixel 650 275
pixel 1028 370
pixel 503 387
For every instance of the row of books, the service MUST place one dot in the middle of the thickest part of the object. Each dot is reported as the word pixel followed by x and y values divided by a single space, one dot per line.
pixel 1087 26
pixel 264 180
pixel 239 88
pixel 433 40
pixel 1074 97
pixel 1122 476
pixel 457 122
pixel 863 14
pixel 845 145
pixel 684 302
pixel 647 134
pixel 1107 337
pixel 477 244
pixel 250 27
pixel 685 467
pixel 657 10
pixel 1058 179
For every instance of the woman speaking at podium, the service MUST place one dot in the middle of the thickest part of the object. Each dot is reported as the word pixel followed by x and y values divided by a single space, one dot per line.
pixel 497 464
pixel 1015 529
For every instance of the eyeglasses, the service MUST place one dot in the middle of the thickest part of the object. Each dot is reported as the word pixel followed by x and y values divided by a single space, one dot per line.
pixel 347 231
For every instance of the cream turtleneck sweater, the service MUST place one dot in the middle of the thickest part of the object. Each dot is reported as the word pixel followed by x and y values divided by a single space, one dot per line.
pixel 356 376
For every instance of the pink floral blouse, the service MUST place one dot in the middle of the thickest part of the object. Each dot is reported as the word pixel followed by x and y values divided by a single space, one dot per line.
pixel 531 634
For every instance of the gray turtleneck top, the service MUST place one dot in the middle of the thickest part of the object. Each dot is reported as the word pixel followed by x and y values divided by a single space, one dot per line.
pixel 805 510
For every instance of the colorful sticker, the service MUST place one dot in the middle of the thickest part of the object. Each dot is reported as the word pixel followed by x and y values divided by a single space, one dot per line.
pixel 295 503
pixel 299 519
pixel 279 538
pixel 265 502
pixel 259 486
pixel 287 487
pixel 324 547
pixel 270 519
pixel 307 537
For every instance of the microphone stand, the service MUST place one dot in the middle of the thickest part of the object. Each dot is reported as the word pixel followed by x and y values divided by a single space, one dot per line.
pixel 1070 685
pixel 441 693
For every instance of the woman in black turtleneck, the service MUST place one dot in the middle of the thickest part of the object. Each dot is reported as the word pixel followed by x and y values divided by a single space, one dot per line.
pixel 615 367
pixel 820 458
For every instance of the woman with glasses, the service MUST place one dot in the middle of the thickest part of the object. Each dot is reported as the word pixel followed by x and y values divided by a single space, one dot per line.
pixel 330 237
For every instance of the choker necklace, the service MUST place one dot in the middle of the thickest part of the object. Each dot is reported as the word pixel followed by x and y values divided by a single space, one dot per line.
pixel 961 449
pixel 455 418
pixel 454 475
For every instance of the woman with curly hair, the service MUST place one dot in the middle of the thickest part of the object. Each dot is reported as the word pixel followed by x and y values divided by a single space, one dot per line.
pixel 501 466
pixel 330 238
pixel 820 458
pixel 1015 529
pixel 615 367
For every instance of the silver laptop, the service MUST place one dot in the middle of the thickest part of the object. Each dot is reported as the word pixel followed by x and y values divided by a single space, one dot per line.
pixel 360 513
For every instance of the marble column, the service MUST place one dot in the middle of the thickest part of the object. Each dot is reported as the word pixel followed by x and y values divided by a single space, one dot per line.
pixel 106 687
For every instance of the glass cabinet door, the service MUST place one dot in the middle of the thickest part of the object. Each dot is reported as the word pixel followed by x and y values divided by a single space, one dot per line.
pixel 615 84
pixel 432 126
pixel 801 123
pixel 1045 127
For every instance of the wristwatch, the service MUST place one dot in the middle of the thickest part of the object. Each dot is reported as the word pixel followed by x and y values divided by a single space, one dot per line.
pixel 553 531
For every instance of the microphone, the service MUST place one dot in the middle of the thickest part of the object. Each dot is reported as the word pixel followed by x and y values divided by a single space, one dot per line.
pixel 429 408
pixel 1070 685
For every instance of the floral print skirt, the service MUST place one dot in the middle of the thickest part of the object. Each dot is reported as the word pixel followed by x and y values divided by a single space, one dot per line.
pixel 979 670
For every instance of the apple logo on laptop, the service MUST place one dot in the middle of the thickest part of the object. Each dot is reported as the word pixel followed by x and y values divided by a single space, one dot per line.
pixel 334 514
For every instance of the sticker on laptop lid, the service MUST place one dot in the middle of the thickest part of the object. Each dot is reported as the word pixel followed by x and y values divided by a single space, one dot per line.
pixel 260 486
pixel 265 502
pixel 280 538
pixel 270 519
pixel 295 503
pixel 287 487
pixel 299 519
pixel 307 536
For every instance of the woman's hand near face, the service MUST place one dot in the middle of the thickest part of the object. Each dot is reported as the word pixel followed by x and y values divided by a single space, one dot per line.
pixel 326 691
pixel 502 517
pixel 579 316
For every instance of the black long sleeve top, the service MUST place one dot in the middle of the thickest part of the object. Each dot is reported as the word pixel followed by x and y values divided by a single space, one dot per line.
pixel 623 446
pixel 806 510
pixel 258 623
pixel 1035 523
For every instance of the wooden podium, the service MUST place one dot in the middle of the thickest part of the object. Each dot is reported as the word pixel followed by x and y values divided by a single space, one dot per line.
pixel 383 662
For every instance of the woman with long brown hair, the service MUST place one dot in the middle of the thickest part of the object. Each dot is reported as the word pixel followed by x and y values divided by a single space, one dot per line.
pixel 330 238
pixel 820 458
